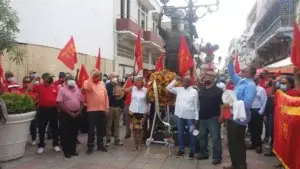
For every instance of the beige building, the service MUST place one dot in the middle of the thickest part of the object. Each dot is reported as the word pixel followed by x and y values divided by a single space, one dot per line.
pixel 113 27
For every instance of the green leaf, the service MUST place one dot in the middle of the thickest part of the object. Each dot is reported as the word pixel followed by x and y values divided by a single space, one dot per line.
pixel 18 103
pixel 8 26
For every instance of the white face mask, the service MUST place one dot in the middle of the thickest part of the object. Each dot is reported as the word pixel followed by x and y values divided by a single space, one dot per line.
pixel 11 79
pixel 71 83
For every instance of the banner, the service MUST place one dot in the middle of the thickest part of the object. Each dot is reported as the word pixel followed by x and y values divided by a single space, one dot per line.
pixel 287 130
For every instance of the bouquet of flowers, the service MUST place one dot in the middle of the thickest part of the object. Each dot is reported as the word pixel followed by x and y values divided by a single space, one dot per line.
pixel 162 78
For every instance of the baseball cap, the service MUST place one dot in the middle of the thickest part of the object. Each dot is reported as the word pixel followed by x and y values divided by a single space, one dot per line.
pixel 46 75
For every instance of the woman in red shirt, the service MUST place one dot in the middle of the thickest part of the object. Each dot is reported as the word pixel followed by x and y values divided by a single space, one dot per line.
pixel 27 89
pixel 287 85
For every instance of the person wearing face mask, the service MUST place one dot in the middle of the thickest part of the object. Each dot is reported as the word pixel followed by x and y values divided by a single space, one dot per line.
pixel 128 83
pixel 35 80
pixel 47 112
pixel 187 111
pixel 70 102
pixel 9 84
pixel 210 118
pixel 137 109
pixel 115 101
pixel 27 89
pixel 97 109
pixel 287 85
pixel 105 79
pixel 220 83
pixel 256 121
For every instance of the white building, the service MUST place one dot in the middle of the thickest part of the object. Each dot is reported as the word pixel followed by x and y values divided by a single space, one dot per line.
pixel 46 26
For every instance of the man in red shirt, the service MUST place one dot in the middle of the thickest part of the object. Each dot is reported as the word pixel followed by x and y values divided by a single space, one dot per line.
pixel 47 94
pixel 61 79
pixel 127 84
pixel 9 84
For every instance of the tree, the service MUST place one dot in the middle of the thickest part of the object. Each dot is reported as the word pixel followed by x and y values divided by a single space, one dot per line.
pixel 8 29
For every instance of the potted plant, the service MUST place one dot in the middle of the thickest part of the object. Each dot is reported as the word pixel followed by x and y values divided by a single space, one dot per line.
pixel 19 111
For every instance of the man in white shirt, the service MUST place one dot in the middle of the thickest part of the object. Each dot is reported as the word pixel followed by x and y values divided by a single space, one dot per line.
pixel 256 122
pixel 187 111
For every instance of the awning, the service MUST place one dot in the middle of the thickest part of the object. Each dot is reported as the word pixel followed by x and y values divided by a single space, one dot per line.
pixel 284 66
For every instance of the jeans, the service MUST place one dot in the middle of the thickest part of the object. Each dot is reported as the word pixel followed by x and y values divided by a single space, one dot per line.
pixel 181 123
pixel 214 128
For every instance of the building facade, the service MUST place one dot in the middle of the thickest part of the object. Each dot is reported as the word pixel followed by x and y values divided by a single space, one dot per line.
pixel 46 26
pixel 132 16
pixel 269 30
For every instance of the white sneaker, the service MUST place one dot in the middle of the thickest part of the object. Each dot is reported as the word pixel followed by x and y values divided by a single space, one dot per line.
pixel 40 150
pixel 56 149
pixel 33 143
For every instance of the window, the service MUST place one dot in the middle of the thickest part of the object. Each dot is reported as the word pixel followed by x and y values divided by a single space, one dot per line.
pixel 154 27
pixel 142 16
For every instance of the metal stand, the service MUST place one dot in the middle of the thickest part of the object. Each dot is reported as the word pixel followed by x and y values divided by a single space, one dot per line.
pixel 168 142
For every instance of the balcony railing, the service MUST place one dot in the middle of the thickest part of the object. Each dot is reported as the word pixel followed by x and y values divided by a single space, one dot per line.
pixel 281 24
pixel 128 24
pixel 149 35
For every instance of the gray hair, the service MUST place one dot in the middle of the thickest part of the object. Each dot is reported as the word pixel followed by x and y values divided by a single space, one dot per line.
pixel 69 77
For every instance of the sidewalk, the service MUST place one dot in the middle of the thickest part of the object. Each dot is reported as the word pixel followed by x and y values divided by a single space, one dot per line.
pixel 124 158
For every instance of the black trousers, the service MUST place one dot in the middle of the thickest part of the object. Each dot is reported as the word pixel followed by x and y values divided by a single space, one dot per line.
pixel 97 119
pixel 68 133
pixel 236 144
pixel 46 115
pixel 33 128
pixel 255 127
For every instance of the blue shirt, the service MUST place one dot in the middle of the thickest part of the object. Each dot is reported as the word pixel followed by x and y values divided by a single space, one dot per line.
pixel 245 90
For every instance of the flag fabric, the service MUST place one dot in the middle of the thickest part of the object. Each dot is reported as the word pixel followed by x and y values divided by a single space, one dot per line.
pixel 295 53
pixel 286 130
pixel 98 62
pixel 138 53
pixel 68 54
pixel 159 65
pixel 185 59
pixel 237 64
pixel 83 75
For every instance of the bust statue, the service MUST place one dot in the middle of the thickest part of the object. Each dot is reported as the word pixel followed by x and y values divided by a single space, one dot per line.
pixel 172 41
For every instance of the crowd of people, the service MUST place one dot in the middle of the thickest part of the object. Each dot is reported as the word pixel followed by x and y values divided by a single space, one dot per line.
pixel 60 103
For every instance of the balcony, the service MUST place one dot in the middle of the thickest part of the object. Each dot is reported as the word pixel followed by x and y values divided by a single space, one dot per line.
pixel 281 28
pixel 153 41
pixel 127 29
pixel 150 4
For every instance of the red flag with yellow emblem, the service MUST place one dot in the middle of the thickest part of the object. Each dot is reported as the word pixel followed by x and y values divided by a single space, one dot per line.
pixel 185 59
pixel 286 130
pixel 83 75
pixel 138 52
pixel 68 54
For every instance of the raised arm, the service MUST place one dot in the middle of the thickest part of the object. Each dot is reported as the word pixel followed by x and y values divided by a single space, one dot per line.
pixel 171 87
pixel 162 31
pixel 233 76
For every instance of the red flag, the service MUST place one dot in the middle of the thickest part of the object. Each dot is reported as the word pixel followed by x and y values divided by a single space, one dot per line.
pixel 138 52
pixel 237 64
pixel 68 54
pixel 83 75
pixel 295 53
pixel 98 62
pixel 159 65
pixel 185 59
pixel 286 130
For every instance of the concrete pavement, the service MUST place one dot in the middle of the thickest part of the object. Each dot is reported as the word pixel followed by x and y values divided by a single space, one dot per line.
pixel 124 158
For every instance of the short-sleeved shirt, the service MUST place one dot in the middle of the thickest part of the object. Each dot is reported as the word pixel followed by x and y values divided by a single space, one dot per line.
pixel 70 97
pixel 46 94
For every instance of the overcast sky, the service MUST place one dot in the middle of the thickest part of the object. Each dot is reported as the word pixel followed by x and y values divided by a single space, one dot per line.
pixel 220 27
